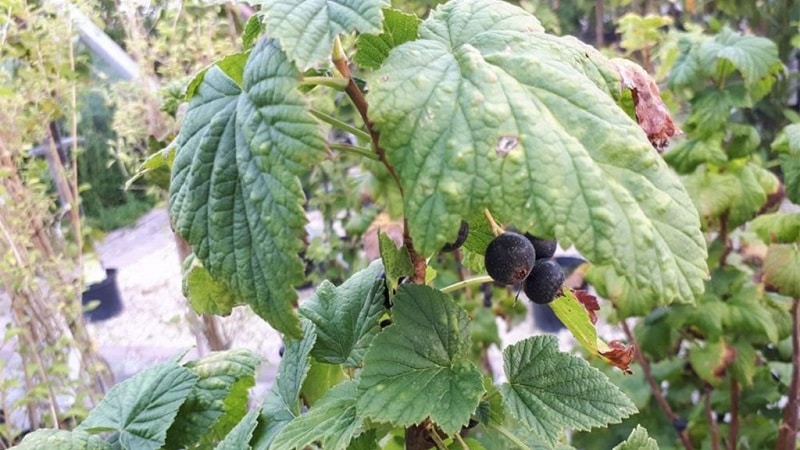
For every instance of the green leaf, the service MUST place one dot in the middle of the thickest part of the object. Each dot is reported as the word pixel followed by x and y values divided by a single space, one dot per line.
pixel 687 66
pixel 346 317
pixel 743 367
pixel 282 403
pixel 306 28
pixel 396 261
pixel 754 57
pixel 627 301
pixel 231 65
pixel 782 269
pixel 252 29
pixel 235 195
pixel 62 440
pixel 788 140
pixel 141 409
pixel 549 391
pixel 420 365
pixel 782 228
pixel 687 155
pixel 333 422
pixel 710 360
pixel 790 165
pixel 638 440
pixel 239 437
pixel 740 192
pixel 484 111
pixel 217 374
pixel 207 295
pixel 398 27
pixel 575 317
pixel 320 379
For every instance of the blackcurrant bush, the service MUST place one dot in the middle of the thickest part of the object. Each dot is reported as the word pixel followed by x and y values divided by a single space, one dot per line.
pixel 544 282
pixel 463 232
pixel 545 248
pixel 509 258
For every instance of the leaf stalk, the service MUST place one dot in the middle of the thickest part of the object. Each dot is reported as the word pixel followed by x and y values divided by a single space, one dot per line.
pixel 466 283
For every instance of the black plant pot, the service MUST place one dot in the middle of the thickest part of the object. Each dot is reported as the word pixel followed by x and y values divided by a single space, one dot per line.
pixel 107 293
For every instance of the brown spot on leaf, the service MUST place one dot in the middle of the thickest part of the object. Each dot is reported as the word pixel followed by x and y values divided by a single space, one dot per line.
pixel 651 112
pixel 620 355
pixel 589 302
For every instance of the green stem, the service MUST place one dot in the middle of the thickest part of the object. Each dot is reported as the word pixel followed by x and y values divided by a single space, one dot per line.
pixel 508 435
pixel 460 440
pixel 327 118
pixel 360 151
pixel 468 282
pixel 496 229
pixel 437 439
pixel 340 84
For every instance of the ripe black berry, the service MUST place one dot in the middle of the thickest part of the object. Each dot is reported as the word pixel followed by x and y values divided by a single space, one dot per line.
pixel 544 282
pixel 545 248
pixel 463 232
pixel 509 258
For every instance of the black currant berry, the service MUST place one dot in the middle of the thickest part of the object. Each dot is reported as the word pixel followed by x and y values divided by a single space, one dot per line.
pixel 463 232
pixel 509 258
pixel 544 282
pixel 545 248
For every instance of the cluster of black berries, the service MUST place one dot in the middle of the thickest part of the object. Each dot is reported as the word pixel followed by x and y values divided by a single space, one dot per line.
pixel 512 258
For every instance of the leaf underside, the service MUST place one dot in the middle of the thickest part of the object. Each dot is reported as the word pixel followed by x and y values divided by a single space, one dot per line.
pixel 487 111
pixel 235 195
pixel 307 28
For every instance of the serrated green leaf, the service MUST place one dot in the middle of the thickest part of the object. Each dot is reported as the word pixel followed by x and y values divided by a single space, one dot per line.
pixel 333 422
pixel 754 57
pixel 627 301
pixel 346 317
pixel 217 374
pixel 687 65
pixel 782 228
pixel 420 365
pixel 396 261
pixel 790 165
pixel 62 440
pixel 240 435
pixel 687 155
pixel 739 192
pixel 638 440
pixel 549 391
pixel 306 28
pixel 788 140
pixel 235 195
pixel 252 29
pixel 485 112
pixel 282 403
pixel 207 295
pixel 398 27
pixel 782 269
pixel 141 409
pixel 743 367
pixel 711 108
pixel 744 140
pixel 231 65
pixel 747 312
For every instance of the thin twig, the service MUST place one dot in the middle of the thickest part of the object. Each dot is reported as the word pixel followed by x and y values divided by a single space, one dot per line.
pixel 468 282
pixel 360 102
pixel 460 440
pixel 360 151
pixel 654 387
pixel 712 422
pixel 496 229
pixel 733 431
pixel 787 434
